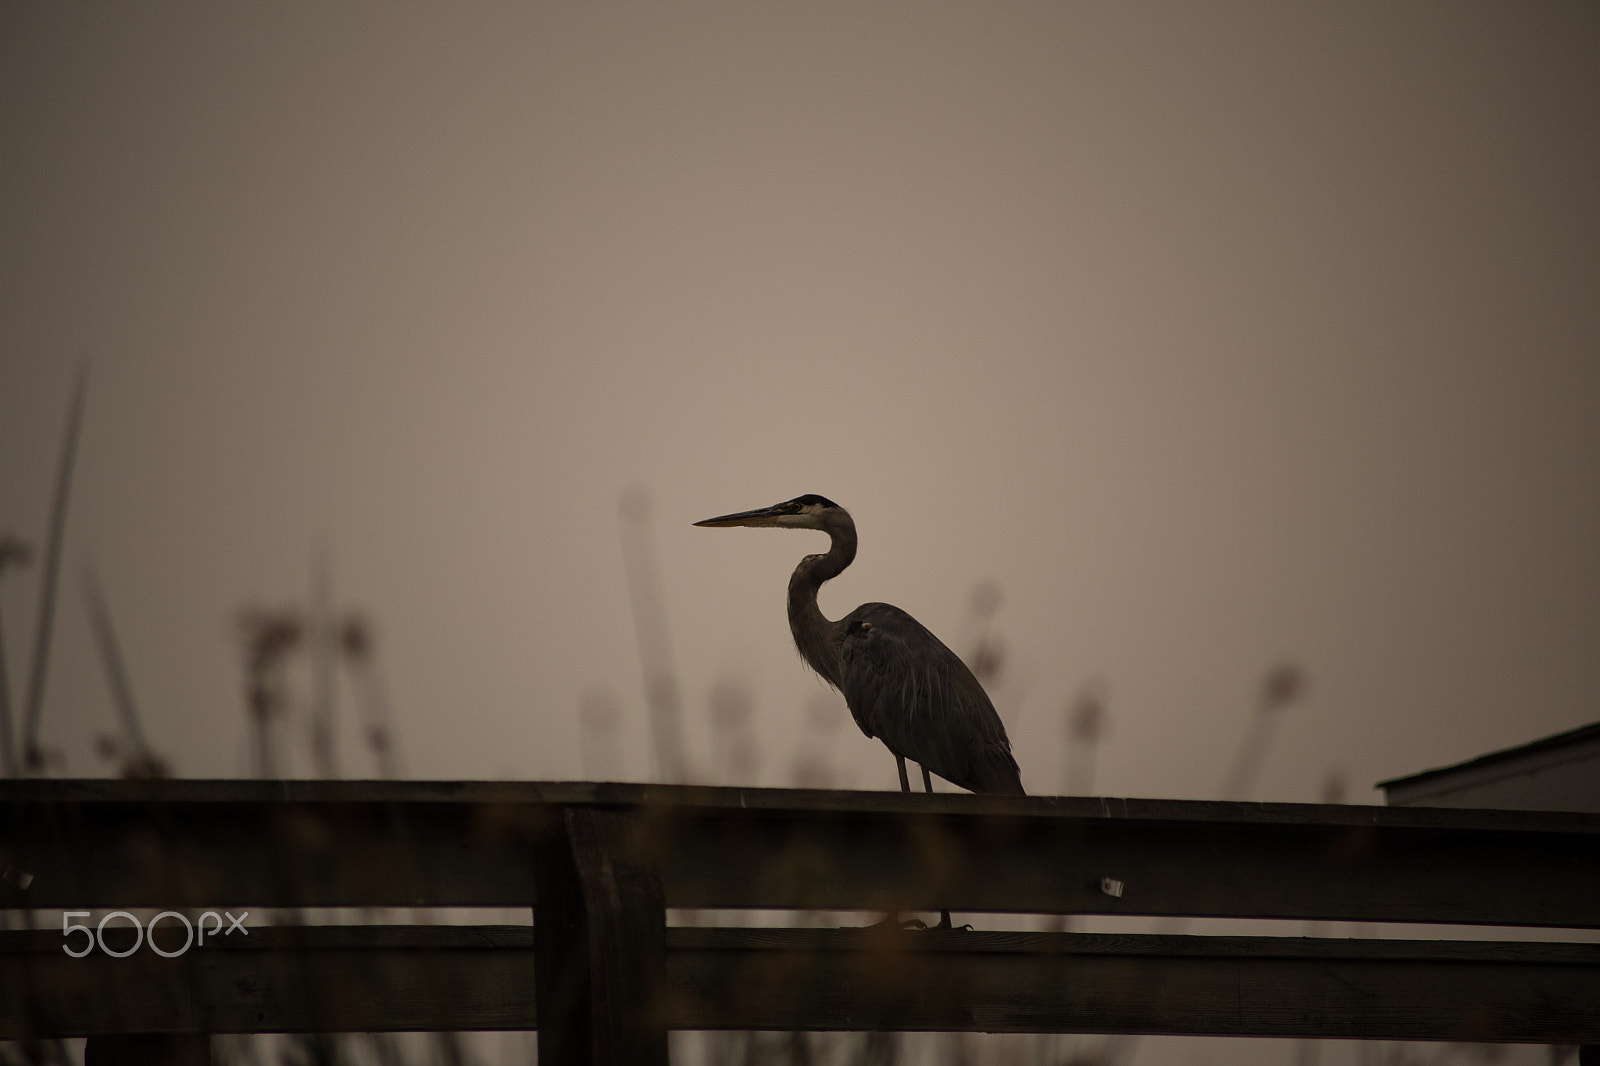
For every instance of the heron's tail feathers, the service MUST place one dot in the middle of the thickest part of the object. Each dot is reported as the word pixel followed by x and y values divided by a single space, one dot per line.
pixel 998 775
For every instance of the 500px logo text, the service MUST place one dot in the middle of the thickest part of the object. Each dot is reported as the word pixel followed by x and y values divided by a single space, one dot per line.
pixel 97 935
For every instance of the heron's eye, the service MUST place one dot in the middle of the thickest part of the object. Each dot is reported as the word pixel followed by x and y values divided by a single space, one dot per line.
pixel 863 626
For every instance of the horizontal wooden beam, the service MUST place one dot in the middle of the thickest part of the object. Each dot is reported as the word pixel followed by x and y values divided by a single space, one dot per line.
pixel 341 843
pixel 277 979
pixel 1182 985
pixel 332 979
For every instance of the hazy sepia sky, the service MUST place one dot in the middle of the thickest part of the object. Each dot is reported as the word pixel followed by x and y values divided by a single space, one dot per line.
pixel 1214 333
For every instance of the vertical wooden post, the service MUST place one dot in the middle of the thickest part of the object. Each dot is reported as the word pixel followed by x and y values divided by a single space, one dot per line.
pixel 599 938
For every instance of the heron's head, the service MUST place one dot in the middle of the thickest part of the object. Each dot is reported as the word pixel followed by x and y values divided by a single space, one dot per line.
pixel 803 512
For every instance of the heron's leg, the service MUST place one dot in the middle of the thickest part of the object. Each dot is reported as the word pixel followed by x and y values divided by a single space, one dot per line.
pixel 894 916
pixel 944 916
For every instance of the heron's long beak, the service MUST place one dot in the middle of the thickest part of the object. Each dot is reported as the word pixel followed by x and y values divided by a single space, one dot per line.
pixel 761 516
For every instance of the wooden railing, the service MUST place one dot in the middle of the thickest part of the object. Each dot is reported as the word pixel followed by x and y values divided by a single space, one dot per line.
pixel 603 976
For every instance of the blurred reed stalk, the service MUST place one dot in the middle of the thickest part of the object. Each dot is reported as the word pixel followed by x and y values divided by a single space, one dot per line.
pixel 449 1047
pixel 322 644
pixel 385 1048
pixel 599 751
pixel 812 767
pixel 1085 722
pixel 14 552
pixel 733 761
pixel 798 1047
pixel 358 650
pixel 1308 1052
pixel 651 631
pixel 1282 686
pixel 269 637
pixel 736 760
pixel 987 658
pixel 879 1048
pixel 958 1051
pixel 32 755
pixel 1084 725
pixel 138 760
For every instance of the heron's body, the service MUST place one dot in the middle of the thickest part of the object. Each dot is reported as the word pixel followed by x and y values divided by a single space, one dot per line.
pixel 901 683
pixel 906 688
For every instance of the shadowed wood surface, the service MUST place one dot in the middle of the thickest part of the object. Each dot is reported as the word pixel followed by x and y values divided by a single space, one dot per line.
pixel 482 977
pixel 600 944
pixel 600 863
pixel 217 843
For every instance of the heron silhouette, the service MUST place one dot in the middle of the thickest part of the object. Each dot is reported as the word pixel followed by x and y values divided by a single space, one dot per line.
pixel 901 683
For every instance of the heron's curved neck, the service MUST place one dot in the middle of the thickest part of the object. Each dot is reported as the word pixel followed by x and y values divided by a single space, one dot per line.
pixel 813 634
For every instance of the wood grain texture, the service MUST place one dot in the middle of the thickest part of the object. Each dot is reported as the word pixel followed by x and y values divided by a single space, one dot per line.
pixel 600 944
pixel 601 862
pixel 333 979
pixel 221 843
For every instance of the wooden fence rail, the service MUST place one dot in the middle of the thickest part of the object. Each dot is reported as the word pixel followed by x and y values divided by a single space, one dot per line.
pixel 602 976
pixel 417 978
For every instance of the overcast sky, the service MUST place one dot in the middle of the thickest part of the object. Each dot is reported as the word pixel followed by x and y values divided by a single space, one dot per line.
pixel 1215 334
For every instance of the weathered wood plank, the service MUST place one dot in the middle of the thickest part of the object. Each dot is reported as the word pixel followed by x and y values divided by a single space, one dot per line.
pixel 280 979
pixel 600 944
pixel 330 979
pixel 711 797
pixel 1035 982
pixel 179 852
pixel 222 843
pixel 1198 867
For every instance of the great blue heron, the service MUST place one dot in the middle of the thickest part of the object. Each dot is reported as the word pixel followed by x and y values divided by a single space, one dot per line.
pixel 901 683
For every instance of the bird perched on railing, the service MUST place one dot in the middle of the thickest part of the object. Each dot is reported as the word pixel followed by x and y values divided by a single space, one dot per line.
pixel 901 683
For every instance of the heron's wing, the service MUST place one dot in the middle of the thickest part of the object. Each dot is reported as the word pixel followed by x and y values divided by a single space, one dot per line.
pixel 904 686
